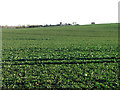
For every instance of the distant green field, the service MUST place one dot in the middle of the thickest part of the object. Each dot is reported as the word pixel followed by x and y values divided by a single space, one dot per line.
pixel 83 56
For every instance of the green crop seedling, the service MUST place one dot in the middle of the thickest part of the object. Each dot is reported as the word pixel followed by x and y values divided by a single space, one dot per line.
pixel 65 56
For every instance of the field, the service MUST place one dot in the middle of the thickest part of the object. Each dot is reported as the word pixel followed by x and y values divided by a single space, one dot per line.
pixel 83 56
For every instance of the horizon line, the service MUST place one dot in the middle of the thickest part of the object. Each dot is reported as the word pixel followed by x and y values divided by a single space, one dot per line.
pixel 56 24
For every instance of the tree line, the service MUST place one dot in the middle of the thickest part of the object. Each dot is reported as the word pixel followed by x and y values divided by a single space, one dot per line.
pixel 35 26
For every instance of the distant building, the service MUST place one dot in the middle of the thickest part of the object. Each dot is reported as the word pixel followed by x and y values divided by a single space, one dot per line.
pixel 77 24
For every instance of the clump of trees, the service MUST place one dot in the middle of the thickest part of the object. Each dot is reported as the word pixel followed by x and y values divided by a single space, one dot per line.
pixel 92 22
pixel 35 26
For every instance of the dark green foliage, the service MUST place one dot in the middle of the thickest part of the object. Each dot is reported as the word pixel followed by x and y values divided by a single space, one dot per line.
pixel 25 49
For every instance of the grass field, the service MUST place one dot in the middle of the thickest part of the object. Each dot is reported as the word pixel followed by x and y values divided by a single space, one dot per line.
pixel 83 56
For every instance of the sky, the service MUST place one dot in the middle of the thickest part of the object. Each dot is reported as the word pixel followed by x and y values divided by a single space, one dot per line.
pixel 41 12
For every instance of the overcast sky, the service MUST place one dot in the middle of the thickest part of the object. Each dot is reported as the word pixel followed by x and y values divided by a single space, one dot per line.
pixel 24 12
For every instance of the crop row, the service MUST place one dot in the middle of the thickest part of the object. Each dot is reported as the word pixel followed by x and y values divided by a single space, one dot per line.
pixel 38 62
pixel 59 54
pixel 99 75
